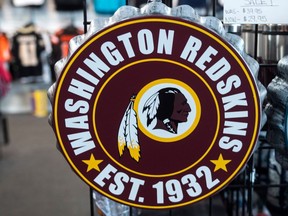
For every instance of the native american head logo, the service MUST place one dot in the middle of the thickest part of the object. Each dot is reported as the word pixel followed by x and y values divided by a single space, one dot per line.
pixel 167 108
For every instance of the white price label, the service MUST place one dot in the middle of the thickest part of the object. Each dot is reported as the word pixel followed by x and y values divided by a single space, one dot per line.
pixel 255 12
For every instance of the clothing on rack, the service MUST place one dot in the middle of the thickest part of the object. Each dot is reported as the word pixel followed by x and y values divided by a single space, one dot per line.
pixel 60 44
pixel 107 6
pixel 5 79
pixel 27 3
pixel 69 5
pixel 5 54
pixel 27 46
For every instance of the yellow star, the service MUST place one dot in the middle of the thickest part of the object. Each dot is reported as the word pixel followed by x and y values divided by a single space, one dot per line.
pixel 92 163
pixel 220 163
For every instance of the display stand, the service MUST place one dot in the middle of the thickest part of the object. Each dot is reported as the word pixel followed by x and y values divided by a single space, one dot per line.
pixel 4 135
pixel 238 197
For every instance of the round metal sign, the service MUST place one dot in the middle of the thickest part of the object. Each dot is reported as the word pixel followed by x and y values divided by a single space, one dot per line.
pixel 156 112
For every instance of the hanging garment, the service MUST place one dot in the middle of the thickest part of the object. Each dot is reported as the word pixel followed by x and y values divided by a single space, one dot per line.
pixel 5 79
pixel 27 46
pixel 107 6
pixel 69 5
pixel 24 3
pixel 5 54
pixel 60 44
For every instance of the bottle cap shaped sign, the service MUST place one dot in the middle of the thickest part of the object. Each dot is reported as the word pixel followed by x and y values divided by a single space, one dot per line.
pixel 157 107
pixel 276 109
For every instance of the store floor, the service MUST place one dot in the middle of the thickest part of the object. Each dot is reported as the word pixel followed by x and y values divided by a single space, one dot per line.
pixel 35 180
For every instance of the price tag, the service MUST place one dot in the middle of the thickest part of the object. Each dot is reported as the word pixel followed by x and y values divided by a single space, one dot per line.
pixel 255 12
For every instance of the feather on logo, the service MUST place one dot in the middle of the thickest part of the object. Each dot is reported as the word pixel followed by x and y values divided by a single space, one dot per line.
pixel 128 132
pixel 151 105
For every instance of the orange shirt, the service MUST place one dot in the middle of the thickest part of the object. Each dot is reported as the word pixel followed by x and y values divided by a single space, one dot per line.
pixel 5 54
